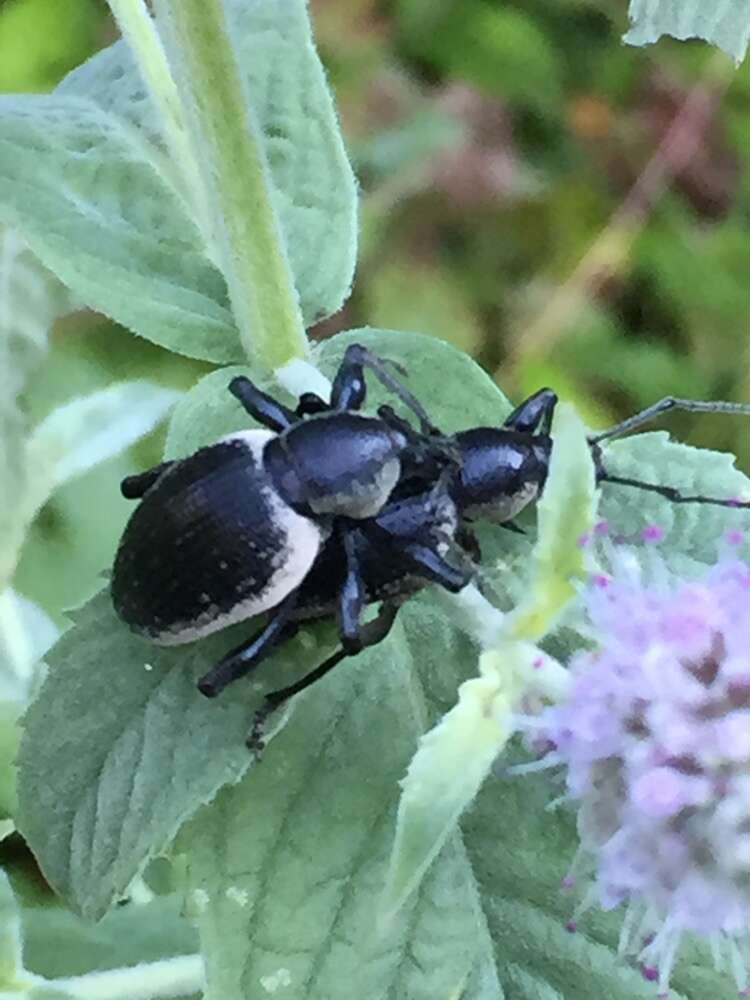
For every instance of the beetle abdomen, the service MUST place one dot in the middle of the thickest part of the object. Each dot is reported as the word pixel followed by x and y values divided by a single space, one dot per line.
pixel 211 543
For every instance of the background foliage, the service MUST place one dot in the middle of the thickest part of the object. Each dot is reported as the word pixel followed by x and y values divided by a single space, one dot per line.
pixel 569 211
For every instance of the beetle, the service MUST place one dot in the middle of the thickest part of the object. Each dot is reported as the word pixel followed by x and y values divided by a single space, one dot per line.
pixel 328 511
pixel 234 529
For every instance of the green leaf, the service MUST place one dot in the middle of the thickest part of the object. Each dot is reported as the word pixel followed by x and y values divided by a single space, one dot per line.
pixel 120 748
pixel 10 934
pixel 726 25
pixel 209 411
pixel 26 633
pixel 519 851
pixel 315 188
pixel 92 218
pixel 451 385
pixel 84 176
pixel 62 37
pixel 90 429
pixel 80 435
pixel 58 943
pixel 565 515
pixel 286 868
pixel 444 775
pixel 30 299
pixel 693 533
pixel 46 993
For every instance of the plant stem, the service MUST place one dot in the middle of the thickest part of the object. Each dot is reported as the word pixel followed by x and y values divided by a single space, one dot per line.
pixel 226 143
pixel 172 977
pixel 472 613
pixel 139 31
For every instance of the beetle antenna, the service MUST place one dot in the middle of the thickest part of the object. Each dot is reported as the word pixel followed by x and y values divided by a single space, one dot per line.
pixel 380 368
pixel 663 406
pixel 670 493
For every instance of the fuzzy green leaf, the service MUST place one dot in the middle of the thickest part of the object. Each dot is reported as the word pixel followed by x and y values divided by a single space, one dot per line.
pixel 726 25
pixel 26 633
pixel 693 533
pixel 92 219
pixel 86 179
pixel 10 934
pixel 286 868
pixel 315 189
pixel 565 515
pixel 120 748
pixel 90 429
pixel 30 299
pixel 455 391
pixel 58 943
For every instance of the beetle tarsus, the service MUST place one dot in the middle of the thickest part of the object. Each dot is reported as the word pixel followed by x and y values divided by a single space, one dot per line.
pixel 370 634
pixel 256 738
pixel 245 657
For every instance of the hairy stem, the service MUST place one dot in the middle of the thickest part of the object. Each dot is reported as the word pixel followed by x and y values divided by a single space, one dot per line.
pixel 139 31
pixel 226 142
pixel 172 977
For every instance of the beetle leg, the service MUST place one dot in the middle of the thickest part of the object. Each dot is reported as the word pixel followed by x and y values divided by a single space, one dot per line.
pixel 262 407
pixel 352 598
pixel 431 565
pixel 370 634
pixel 349 389
pixel 672 494
pixel 252 652
pixel 134 487
pixel 409 526
pixel 510 525
pixel 467 539
pixel 533 414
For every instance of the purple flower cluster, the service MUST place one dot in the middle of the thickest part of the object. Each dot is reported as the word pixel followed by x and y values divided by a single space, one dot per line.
pixel 655 736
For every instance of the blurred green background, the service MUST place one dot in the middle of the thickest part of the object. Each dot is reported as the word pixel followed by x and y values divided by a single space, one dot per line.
pixel 569 210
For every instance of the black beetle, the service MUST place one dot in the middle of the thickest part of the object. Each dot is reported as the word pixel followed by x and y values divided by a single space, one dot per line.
pixel 328 511
pixel 235 529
